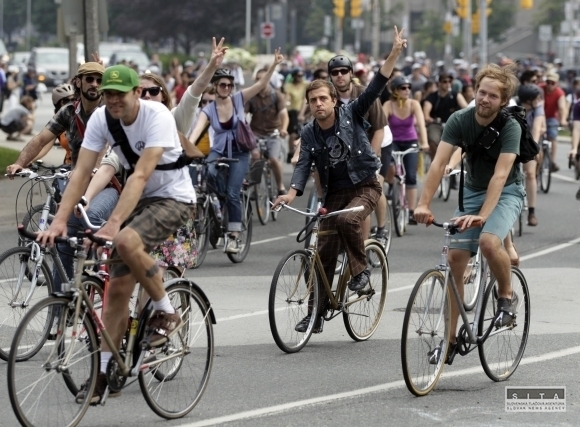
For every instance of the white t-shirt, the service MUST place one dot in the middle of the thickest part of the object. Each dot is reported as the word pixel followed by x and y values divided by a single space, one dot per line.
pixel 153 127
pixel 388 138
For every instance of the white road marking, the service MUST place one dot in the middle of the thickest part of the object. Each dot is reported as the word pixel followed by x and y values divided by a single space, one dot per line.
pixel 550 250
pixel 563 177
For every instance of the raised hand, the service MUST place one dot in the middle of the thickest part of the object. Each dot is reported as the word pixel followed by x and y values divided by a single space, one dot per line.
pixel 399 42
pixel 217 53
pixel 278 57
pixel 97 58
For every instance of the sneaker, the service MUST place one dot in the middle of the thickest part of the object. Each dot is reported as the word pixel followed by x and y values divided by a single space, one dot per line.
pixel 302 326
pixel 506 310
pixel 98 392
pixel 164 326
pixel 234 246
pixel 554 167
pixel 435 355
pixel 359 281
pixel 532 220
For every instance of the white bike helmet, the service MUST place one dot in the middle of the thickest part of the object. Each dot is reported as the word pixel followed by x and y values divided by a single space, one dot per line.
pixel 63 90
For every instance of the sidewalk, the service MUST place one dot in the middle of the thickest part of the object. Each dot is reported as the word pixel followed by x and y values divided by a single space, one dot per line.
pixel 53 158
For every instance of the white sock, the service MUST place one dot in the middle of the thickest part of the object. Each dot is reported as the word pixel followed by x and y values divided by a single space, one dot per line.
pixel 164 305
pixel 105 357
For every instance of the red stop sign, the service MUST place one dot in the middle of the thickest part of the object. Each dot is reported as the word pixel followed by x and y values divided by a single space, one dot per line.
pixel 267 30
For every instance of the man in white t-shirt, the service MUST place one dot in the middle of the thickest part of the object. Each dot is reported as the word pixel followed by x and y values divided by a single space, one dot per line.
pixel 154 203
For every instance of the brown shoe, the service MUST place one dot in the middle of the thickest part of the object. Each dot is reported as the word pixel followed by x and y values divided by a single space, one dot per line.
pixel 99 391
pixel 532 220
pixel 164 326
pixel 554 167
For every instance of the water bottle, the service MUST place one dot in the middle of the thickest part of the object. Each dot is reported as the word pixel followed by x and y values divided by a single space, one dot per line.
pixel 216 207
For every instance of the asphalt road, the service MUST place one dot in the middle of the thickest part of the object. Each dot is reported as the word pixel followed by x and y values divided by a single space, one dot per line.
pixel 334 381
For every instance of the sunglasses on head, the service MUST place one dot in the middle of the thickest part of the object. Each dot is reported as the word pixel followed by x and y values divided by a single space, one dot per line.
pixel 226 85
pixel 341 71
pixel 91 79
pixel 206 101
pixel 153 91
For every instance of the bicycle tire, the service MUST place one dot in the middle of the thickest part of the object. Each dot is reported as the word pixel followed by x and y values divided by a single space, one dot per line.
pixel 471 282
pixel 15 263
pixel 521 223
pixel 272 185
pixel 445 188
pixel 261 193
pixel 293 295
pixel 546 171
pixel 416 344
pixel 388 229
pixel 398 209
pixel 504 342
pixel 363 309
pixel 202 230
pixel 246 234
pixel 31 220
pixel 45 401
pixel 166 396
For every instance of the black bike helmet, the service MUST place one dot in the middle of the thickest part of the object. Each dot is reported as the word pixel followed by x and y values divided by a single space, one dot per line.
pixel 399 81
pixel 339 61
pixel 222 73
pixel 529 92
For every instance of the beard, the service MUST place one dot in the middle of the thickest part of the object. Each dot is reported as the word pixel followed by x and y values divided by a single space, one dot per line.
pixel 485 112
pixel 91 96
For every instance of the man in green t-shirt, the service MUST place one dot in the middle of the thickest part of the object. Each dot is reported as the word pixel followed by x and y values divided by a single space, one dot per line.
pixel 493 192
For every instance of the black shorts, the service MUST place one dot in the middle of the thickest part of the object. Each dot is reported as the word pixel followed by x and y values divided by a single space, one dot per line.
pixel 293 124
pixel 12 127
pixel 385 159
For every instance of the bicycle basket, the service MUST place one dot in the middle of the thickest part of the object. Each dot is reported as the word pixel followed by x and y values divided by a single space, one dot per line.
pixel 254 176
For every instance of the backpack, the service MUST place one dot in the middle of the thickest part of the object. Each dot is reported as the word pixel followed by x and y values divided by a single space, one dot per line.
pixel 529 149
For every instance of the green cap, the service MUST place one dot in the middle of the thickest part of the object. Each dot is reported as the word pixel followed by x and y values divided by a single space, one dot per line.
pixel 121 78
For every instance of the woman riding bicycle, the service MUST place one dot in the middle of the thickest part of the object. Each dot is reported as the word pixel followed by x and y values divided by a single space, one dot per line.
pixel 224 115
pixel 403 114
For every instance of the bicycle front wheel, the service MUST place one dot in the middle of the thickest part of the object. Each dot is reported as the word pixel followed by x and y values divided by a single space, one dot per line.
pixel 363 309
pixel 445 187
pixel 426 334
pixel 388 229
pixel 503 349
pixel 39 388
pixel 398 209
pixel 20 277
pixel 272 190
pixel 174 386
pixel 245 235
pixel 546 171
pixel 202 230
pixel 293 296
pixel 262 199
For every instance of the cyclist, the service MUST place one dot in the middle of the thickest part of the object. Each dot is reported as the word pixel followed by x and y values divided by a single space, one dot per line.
pixel 493 192
pixel 555 109
pixel 404 132
pixel 575 136
pixel 269 113
pixel 224 115
pixel 337 143
pixel 153 205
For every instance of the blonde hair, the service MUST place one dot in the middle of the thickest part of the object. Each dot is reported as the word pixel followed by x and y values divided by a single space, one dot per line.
pixel 505 76
pixel 158 80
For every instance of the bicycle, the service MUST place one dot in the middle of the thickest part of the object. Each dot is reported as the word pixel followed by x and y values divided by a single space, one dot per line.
pixel 574 163
pixel 266 188
pixel 445 186
pixel 524 210
pixel 299 280
pixel 399 202
pixel 545 165
pixel 185 360
pixel 426 335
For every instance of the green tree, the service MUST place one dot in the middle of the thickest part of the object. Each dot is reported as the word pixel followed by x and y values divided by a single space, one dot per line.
pixel 430 37
pixel 501 19
pixel 550 12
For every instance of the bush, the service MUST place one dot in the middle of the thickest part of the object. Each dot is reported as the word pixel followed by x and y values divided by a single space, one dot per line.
pixel 7 157
pixel 242 57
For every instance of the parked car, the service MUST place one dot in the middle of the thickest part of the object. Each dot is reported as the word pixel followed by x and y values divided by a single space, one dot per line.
pixel 128 56
pixel 106 49
pixel 51 65
pixel 20 59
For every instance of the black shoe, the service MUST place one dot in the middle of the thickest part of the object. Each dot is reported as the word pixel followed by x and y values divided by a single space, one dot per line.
pixel 99 391
pixel 435 354
pixel 412 220
pixel 554 167
pixel 302 326
pixel 359 281
pixel 578 195
pixel 506 310
pixel 289 157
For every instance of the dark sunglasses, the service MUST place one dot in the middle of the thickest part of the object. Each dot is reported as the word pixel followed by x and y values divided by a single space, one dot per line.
pixel 91 79
pixel 405 87
pixel 445 81
pixel 226 85
pixel 206 101
pixel 550 82
pixel 64 101
pixel 153 91
pixel 341 71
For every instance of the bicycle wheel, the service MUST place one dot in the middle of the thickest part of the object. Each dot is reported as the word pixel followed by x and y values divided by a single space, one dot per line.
pixel 363 309
pixel 172 272
pixel 425 327
pixel 262 197
pixel 472 280
pixel 445 187
pixel 37 393
pixel 388 229
pixel 20 277
pixel 545 170
pixel 202 230
pixel 502 350
pixel 245 235
pixel 293 296
pixel 272 190
pixel 173 387
pixel 398 209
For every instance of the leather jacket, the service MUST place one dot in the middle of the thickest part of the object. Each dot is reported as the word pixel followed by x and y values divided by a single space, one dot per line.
pixel 350 127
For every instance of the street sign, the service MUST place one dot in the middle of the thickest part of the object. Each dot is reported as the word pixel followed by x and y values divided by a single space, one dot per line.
pixel 545 33
pixel 267 30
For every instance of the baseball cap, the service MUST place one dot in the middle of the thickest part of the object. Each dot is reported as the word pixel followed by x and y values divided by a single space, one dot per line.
pixel 416 66
pixel 91 68
pixel 552 76
pixel 188 63
pixel 121 78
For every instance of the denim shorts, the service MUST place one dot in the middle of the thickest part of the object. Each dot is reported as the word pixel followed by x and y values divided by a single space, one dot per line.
pixel 552 125
pixel 499 223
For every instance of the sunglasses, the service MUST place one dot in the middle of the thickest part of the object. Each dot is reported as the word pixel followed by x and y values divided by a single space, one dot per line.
pixel 550 82
pixel 153 91
pixel 226 85
pixel 445 81
pixel 206 101
pixel 405 88
pixel 342 72
pixel 91 79
pixel 63 102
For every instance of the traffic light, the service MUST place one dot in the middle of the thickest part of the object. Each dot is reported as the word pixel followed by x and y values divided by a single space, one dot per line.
pixel 338 8
pixel 526 4
pixel 448 27
pixel 475 23
pixel 461 8
pixel 355 8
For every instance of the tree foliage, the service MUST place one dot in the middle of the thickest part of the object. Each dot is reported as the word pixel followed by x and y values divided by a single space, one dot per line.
pixel 501 19
pixel 550 12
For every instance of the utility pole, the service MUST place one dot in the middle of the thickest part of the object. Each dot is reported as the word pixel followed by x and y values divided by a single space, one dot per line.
pixel 28 24
pixel 376 27
pixel 467 42
pixel 482 33
pixel 248 22
pixel 91 16
pixel 447 56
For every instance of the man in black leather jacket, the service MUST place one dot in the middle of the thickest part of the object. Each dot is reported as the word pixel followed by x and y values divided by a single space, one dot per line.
pixel 337 143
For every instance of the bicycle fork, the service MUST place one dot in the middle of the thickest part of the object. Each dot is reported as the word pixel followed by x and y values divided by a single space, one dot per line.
pixel 36 256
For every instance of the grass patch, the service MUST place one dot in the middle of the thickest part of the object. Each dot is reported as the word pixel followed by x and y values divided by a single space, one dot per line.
pixel 7 157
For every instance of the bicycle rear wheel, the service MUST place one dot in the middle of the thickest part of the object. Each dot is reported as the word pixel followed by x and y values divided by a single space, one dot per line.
pixel 18 273
pixel 398 209
pixel 472 280
pixel 39 388
pixel 293 296
pixel 502 351
pixel 173 387
pixel 363 309
pixel 445 187
pixel 272 190
pixel 545 170
pixel 245 235
pixel 425 328
pixel 202 229
pixel 262 196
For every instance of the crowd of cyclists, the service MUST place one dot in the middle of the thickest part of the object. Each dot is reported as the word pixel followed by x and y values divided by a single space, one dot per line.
pixel 131 147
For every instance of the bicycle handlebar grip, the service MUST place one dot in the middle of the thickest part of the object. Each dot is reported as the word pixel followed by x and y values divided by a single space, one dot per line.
pixel 322 211
pixel 32 236
pixel 98 240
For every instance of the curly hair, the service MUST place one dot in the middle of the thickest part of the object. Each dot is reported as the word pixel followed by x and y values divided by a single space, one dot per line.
pixel 505 76
pixel 158 80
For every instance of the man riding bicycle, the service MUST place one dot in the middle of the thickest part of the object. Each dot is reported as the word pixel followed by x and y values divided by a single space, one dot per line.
pixel 338 145
pixel 493 192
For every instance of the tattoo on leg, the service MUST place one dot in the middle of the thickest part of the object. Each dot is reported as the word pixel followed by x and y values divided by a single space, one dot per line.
pixel 152 271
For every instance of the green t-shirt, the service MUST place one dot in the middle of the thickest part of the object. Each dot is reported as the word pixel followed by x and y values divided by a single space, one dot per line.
pixel 462 128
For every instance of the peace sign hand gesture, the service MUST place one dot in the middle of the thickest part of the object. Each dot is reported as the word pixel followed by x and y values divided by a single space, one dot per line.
pixel 217 53
pixel 399 42
pixel 278 57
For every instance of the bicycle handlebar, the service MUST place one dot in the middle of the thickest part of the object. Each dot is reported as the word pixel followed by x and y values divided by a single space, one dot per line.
pixel 452 227
pixel 414 149
pixel 30 174
pixel 32 236
pixel 86 221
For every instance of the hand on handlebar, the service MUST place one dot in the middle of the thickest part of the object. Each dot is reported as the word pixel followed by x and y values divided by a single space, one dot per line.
pixel 285 199
pixel 468 221
pixel 12 170
pixel 56 229
pixel 422 215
